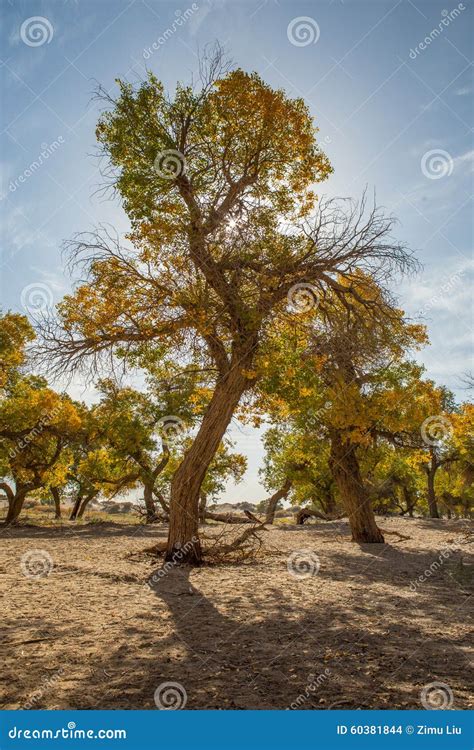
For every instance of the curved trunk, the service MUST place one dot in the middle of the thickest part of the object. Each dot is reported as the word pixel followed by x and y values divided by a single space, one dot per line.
pixel 346 472
pixel 328 504
pixel 85 503
pixel 273 501
pixel 57 502
pixel 76 506
pixel 15 506
pixel 148 500
pixel 183 538
pixel 159 496
pixel 10 495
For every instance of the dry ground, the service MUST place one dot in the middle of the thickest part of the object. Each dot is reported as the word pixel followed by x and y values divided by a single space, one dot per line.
pixel 92 634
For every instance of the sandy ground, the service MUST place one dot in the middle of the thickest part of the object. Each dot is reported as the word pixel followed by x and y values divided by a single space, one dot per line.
pixel 352 634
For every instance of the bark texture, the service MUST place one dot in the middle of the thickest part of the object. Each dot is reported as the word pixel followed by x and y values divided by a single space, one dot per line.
pixel 273 501
pixel 183 538
pixel 57 502
pixel 345 468
pixel 149 502
pixel 15 505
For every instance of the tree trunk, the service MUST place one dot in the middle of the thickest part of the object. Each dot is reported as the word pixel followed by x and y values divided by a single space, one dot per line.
pixel 409 501
pixel 15 506
pixel 346 472
pixel 273 501
pixel 10 495
pixel 57 502
pixel 183 537
pixel 85 503
pixel 202 506
pixel 329 503
pixel 430 475
pixel 76 506
pixel 162 501
pixel 149 502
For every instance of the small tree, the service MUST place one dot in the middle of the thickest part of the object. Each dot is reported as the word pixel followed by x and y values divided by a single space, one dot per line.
pixel 296 465
pixel 37 424
pixel 140 427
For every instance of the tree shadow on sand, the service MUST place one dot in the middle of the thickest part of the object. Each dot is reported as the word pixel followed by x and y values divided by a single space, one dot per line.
pixel 270 654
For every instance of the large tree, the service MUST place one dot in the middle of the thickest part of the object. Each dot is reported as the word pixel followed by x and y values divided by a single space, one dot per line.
pixel 217 182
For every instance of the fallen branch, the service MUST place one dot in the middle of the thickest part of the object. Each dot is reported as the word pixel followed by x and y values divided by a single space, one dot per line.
pixel 306 513
pixel 231 518
pixel 395 533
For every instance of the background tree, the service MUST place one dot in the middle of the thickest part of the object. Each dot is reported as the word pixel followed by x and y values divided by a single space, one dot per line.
pixel 296 467
pixel 46 422
pixel 37 424
pixel 140 426
pixel 345 377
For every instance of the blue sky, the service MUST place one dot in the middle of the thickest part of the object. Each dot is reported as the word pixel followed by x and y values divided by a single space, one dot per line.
pixel 389 84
